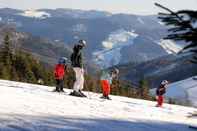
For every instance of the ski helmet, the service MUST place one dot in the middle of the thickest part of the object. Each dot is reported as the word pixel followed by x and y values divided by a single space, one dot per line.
pixel 62 60
pixel 164 82
pixel 82 43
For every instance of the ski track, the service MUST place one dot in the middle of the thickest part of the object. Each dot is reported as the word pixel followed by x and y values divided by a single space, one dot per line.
pixel 28 107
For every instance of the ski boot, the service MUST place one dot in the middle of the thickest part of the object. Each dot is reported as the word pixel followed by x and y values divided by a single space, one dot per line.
pixel 82 94
pixel 76 93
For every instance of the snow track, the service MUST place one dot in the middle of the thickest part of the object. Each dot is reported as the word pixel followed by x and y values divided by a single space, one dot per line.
pixel 28 107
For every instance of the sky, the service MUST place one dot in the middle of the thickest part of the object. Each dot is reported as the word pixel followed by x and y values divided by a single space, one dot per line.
pixel 140 7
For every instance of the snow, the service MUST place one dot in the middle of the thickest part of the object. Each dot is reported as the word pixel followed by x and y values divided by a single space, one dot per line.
pixel 1 19
pixel 36 14
pixel 169 46
pixel 185 17
pixel 184 90
pixel 161 23
pixel 111 53
pixel 34 107
pixel 194 24
pixel 140 20
pixel 81 28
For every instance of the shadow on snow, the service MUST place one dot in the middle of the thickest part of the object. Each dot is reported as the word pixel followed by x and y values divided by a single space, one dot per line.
pixel 59 123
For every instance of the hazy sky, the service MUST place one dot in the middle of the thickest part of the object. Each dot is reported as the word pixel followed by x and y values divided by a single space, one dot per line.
pixel 143 7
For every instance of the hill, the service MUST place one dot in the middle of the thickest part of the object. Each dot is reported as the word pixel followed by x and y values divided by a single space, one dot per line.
pixel 171 67
pixel 110 37
pixel 43 49
pixel 34 107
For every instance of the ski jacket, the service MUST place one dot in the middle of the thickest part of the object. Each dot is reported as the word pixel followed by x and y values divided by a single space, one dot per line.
pixel 106 76
pixel 76 57
pixel 161 90
pixel 59 71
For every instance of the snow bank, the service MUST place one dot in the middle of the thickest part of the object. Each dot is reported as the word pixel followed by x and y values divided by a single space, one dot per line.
pixel 34 107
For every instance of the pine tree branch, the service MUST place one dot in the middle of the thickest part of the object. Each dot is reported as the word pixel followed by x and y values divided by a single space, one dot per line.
pixel 172 12
pixel 175 14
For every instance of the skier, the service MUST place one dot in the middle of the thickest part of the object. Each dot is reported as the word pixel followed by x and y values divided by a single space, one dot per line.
pixel 59 72
pixel 77 64
pixel 106 81
pixel 161 90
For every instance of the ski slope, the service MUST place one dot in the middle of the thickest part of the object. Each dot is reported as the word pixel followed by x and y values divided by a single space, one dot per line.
pixel 28 107
pixel 184 90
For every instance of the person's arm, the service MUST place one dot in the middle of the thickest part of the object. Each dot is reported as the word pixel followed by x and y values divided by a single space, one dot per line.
pixel 80 60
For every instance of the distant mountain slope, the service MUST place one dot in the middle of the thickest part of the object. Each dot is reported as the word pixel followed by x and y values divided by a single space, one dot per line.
pixel 111 37
pixel 172 68
pixel 46 50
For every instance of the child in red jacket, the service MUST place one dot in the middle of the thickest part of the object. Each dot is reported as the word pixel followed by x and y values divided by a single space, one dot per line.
pixel 59 72
pixel 161 90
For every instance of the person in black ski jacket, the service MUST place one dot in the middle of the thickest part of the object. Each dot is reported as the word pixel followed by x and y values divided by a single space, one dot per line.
pixel 161 90
pixel 77 64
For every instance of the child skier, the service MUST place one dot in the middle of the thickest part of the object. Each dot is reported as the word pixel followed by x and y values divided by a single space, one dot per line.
pixel 77 64
pixel 59 72
pixel 106 81
pixel 161 90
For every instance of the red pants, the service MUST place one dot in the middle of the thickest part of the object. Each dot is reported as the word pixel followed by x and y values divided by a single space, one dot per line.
pixel 160 100
pixel 105 87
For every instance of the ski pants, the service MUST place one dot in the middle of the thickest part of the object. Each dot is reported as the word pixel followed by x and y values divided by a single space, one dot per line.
pixel 160 100
pixel 59 84
pixel 79 83
pixel 105 87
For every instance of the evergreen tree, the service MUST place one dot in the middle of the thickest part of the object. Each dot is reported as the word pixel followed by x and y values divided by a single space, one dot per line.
pixel 183 27
pixel 6 58
pixel 144 90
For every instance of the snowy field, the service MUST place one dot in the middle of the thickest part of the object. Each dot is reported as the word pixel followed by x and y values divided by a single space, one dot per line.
pixel 26 107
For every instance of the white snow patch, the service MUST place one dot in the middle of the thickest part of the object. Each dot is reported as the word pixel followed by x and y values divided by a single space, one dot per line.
pixel 36 14
pixel 170 46
pixel 34 107
pixel 79 28
pixel 140 20
pixel 161 23
pixel 185 17
pixel 194 24
pixel 111 53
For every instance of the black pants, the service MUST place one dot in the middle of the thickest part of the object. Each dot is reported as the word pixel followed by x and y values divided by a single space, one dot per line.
pixel 59 84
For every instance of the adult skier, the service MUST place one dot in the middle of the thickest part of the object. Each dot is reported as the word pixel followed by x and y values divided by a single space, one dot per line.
pixel 106 81
pixel 59 73
pixel 77 64
pixel 161 90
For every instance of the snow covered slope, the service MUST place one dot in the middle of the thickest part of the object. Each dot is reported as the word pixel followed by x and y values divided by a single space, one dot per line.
pixel 35 14
pixel 184 90
pixel 30 107
pixel 111 55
